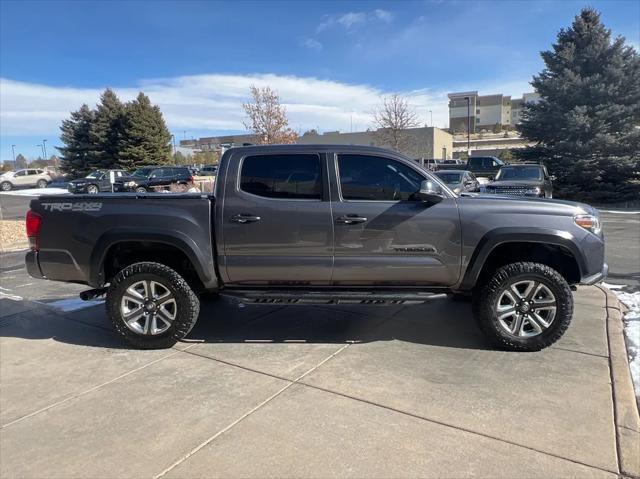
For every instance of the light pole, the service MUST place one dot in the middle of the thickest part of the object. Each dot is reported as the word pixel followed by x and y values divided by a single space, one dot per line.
pixel 41 148
pixel 44 148
pixel 173 139
pixel 468 125
pixel 13 152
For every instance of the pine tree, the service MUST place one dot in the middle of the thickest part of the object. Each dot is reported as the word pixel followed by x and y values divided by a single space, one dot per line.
pixel 106 131
pixel 78 154
pixel 145 137
pixel 586 124
pixel 21 162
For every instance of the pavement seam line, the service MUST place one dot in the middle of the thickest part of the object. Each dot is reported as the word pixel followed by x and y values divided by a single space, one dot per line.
pixel 459 428
pixel 247 414
pixel 83 393
pixel 613 392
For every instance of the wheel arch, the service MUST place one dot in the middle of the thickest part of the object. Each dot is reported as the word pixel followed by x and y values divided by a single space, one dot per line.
pixel 145 246
pixel 554 248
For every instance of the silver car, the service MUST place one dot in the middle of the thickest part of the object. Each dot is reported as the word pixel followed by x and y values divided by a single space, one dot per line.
pixel 460 181
pixel 29 177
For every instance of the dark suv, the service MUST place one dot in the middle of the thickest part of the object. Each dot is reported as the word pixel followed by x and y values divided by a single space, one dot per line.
pixel 151 178
pixel 522 180
pixel 97 181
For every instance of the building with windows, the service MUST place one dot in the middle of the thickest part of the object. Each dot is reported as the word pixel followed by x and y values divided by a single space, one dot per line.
pixel 485 112
pixel 424 142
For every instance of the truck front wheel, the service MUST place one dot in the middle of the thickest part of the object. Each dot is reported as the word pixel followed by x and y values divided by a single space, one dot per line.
pixel 524 306
pixel 151 305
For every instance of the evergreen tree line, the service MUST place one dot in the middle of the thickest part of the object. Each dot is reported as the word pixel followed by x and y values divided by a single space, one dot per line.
pixel 586 128
pixel 114 135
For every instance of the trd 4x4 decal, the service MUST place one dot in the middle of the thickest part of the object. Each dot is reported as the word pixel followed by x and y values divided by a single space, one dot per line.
pixel 84 206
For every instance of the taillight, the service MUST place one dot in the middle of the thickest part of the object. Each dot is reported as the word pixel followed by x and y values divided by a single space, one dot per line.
pixel 34 220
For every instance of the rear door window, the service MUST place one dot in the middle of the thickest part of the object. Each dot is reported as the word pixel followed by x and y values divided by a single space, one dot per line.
pixel 375 178
pixel 295 176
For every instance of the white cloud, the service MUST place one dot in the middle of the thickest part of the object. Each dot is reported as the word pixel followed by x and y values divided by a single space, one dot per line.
pixel 211 102
pixel 352 19
pixel 312 43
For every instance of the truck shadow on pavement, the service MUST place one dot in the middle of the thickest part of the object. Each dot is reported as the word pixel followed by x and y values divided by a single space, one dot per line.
pixel 442 323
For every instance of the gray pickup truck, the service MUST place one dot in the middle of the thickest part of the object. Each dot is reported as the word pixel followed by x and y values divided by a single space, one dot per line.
pixel 299 224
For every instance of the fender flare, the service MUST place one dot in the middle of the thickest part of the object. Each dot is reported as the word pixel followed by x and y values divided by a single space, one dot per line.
pixel 500 236
pixel 173 238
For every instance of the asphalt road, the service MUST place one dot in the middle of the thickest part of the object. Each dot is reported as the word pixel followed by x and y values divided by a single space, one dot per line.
pixel 622 232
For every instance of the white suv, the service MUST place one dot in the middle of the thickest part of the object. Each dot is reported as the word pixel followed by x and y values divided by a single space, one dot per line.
pixel 29 177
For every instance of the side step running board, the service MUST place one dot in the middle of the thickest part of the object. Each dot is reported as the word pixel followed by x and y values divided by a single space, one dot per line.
pixel 329 297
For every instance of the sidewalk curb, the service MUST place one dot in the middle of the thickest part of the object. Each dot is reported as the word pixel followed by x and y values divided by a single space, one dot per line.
pixel 627 420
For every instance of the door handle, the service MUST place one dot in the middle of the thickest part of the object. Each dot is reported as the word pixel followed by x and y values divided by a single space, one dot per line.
pixel 244 219
pixel 350 220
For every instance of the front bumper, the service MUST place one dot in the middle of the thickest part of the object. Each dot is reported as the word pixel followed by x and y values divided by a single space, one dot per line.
pixel 597 277
pixel 77 189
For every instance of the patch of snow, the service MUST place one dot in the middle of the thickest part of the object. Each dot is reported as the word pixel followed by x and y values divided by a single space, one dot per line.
pixel 72 304
pixel 12 297
pixel 612 286
pixel 36 192
pixel 632 332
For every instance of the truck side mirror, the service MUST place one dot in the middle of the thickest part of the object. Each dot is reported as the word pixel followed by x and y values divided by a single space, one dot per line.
pixel 430 192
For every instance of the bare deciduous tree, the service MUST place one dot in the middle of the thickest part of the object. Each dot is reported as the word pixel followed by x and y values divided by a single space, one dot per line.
pixel 267 118
pixel 392 119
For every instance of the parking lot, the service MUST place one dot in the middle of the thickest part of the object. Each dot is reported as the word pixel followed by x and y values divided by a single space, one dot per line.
pixel 298 391
pixel 311 391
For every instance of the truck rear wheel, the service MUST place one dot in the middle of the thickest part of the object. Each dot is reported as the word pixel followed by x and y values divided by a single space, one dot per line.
pixel 524 306
pixel 151 305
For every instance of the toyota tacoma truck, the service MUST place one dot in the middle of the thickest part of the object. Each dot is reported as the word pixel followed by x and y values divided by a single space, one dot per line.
pixel 300 224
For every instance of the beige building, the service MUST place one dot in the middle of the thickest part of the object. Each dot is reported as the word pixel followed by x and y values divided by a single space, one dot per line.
pixel 484 112
pixel 426 142
pixel 219 143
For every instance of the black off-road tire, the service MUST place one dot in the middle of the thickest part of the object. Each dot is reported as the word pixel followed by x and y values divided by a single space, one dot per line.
pixel 486 295
pixel 188 304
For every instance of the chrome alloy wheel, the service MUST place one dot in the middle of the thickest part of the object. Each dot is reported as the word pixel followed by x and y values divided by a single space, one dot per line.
pixel 148 307
pixel 526 308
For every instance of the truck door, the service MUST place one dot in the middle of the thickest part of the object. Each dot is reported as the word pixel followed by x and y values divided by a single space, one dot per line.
pixel 384 235
pixel 276 220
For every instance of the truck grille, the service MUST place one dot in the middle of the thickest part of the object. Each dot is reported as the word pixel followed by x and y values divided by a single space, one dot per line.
pixel 511 190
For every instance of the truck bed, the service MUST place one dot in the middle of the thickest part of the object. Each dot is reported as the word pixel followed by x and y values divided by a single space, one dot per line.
pixel 78 231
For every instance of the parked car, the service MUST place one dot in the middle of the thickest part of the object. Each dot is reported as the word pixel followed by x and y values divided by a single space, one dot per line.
pixel 151 178
pixel 299 224
pixel 28 177
pixel 95 182
pixel 209 170
pixel 522 180
pixel 480 166
pixel 460 181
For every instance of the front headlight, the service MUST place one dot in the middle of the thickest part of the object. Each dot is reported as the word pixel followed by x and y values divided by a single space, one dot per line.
pixel 588 222
pixel 130 183
pixel 534 191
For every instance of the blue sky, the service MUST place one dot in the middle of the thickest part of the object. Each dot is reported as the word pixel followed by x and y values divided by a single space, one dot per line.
pixel 330 61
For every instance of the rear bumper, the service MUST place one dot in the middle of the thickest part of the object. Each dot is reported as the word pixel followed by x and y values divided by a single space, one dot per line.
pixel 33 265
pixel 597 277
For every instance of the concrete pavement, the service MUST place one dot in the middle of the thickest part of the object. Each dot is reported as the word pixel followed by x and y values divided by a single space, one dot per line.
pixel 267 391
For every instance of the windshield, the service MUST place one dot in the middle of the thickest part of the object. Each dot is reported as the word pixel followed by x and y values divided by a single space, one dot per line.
pixel 449 178
pixel 519 173
pixel 94 174
pixel 143 172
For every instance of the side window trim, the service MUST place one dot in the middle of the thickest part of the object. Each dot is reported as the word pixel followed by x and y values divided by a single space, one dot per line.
pixel 339 182
pixel 240 191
